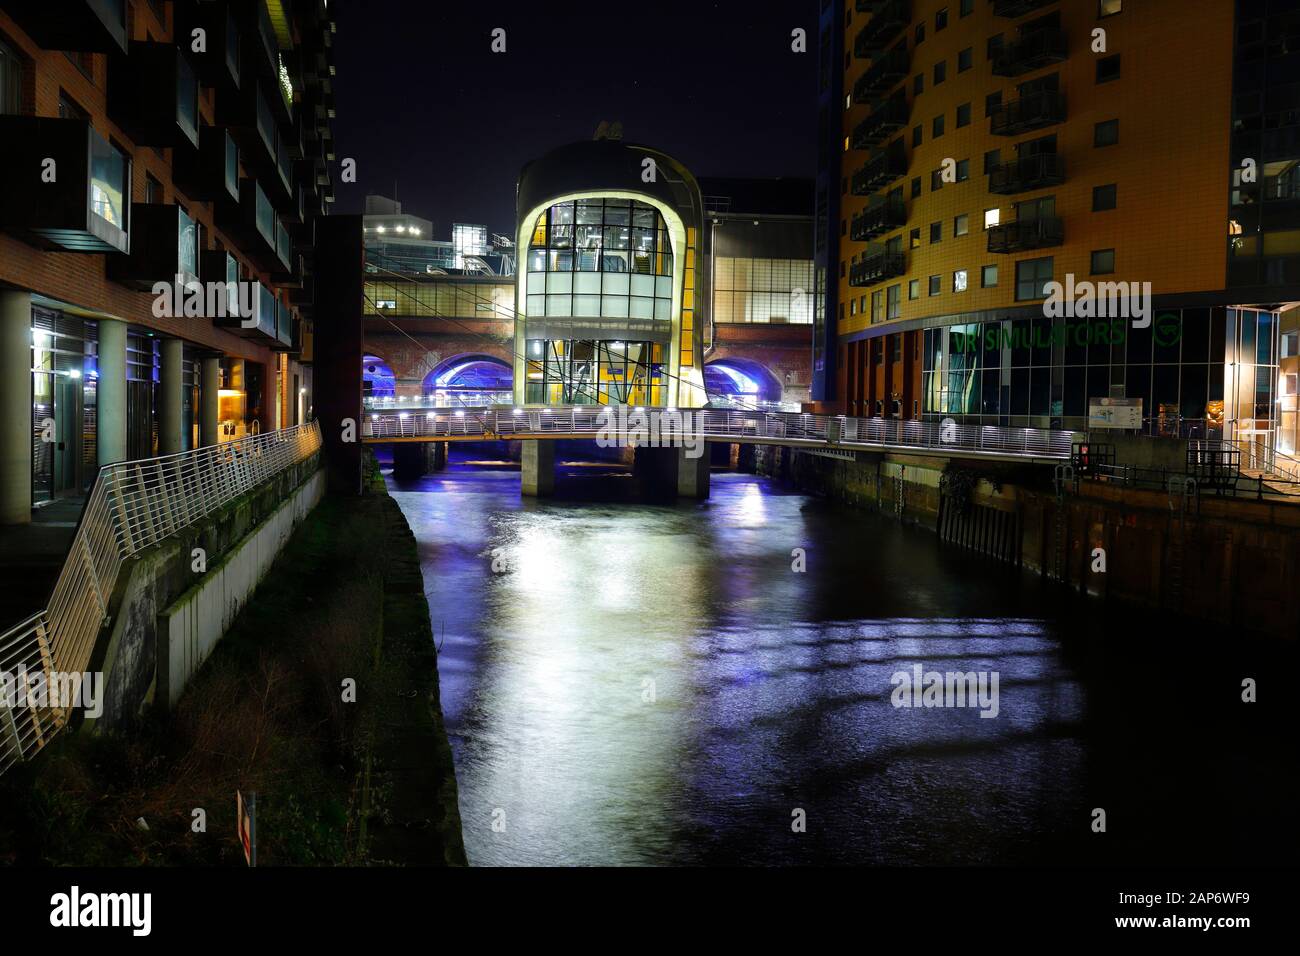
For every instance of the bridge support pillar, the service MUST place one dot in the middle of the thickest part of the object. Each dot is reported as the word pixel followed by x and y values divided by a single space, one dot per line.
pixel 537 468
pixel 693 473
pixel 410 460
pixel 437 460
pixel 746 459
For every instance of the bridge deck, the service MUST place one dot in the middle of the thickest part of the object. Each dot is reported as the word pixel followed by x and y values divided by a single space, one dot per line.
pixel 656 426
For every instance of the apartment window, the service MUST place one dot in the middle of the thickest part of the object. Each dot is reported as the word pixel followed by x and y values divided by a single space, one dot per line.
pixel 936 180
pixel 940 72
pixel 1106 133
pixel 848 101
pixel 1108 68
pixel 994 47
pixel 11 80
pixel 1032 276
pixel 920 34
pixel 936 232
pixel 1103 197
pixel 842 269
pixel 936 127
pixel 992 158
pixel 963 170
pixel 961 225
pixel 989 276
pixel 893 302
pixel 914 238
pixel 992 217
pixel 877 306
pixel 963 115
pixel 936 285
pixel 967 7
pixel 940 19
pixel 1108 8
pixel 844 186
pixel 992 102
pixel 916 187
pixel 153 190
pixel 897 350
pixel 914 288
pixel 853 306
pixel 959 281
pixel 69 109
pixel 844 227
pixel 918 84
pixel 965 59
pixel 1103 261
pixel 916 135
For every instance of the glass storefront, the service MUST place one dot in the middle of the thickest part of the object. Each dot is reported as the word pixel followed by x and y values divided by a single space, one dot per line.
pixel 1199 372
pixel 765 291
pixel 594 373
pixel 63 405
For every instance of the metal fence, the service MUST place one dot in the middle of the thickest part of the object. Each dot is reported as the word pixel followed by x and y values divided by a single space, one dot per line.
pixel 716 425
pixel 133 505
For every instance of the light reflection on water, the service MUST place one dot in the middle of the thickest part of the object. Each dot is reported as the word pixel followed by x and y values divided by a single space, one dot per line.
pixel 654 684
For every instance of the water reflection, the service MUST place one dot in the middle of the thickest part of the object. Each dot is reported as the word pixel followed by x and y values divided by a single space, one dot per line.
pixel 654 684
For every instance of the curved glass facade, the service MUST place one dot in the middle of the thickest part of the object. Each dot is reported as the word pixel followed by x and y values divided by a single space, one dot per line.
pixel 600 258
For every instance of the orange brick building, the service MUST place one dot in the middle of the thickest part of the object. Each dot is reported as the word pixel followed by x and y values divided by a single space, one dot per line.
pixel 977 152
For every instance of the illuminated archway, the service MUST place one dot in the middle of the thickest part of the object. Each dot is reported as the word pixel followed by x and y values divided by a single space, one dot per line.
pixel 469 379
pixel 377 379
pixel 740 382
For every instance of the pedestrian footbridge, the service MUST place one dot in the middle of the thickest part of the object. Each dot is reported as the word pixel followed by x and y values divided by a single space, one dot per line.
pixel 622 425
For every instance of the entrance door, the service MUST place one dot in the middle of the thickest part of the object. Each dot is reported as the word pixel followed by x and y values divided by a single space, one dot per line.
pixel 67 435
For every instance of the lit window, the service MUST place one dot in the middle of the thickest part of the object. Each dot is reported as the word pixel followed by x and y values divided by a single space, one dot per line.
pixel 991 217
pixel 989 276
pixel 959 281
pixel 1106 8
pixel 961 225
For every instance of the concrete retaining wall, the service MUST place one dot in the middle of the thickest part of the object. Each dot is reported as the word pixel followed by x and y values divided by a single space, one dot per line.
pixel 126 652
pixel 190 628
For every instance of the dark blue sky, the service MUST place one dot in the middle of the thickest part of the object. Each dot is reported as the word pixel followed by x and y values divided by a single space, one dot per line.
pixel 423 102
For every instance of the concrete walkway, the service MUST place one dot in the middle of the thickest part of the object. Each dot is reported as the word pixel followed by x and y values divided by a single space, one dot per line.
pixel 31 556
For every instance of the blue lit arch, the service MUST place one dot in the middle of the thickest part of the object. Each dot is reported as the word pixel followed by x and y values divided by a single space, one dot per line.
pixel 377 379
pixel 470 379
pixel 737 381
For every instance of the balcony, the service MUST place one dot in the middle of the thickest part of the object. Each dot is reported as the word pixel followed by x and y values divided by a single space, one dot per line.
pixel 88 206
pixel 1040 233
pixel 218 65
pixel 261 326
pixel 251 223
pixel 1018 8
pixel 1031 112
pixel 886 119
pixel 153 95
pixel 285 329
pixel 877 267
pixel 885 24
pixel 887 72
pixel 878 219
pixel 1032 51
pixel 880 171
pixel 1027 172
pixel 88 26
pixel 165 243
pixel 212 173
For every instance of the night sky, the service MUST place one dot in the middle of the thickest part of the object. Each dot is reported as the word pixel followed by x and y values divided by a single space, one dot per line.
pixel 423 102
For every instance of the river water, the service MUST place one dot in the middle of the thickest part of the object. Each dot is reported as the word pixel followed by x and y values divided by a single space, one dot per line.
pixel 631 683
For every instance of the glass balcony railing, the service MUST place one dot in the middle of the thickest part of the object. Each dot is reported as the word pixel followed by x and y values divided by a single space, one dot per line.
pixel 878 219
pixel 877 267
pixel 264 215
pixel 887 71
pixel 110 191
pixel 187 97
pixel 1038 233
pixel 232 165
pixel 187 244
pixel 1032 111
pixel 283 245
pixel 886 119
pixel 1032 51
pixel 1036 171
pixel 265 123
pixel 283 164
pixel 232 45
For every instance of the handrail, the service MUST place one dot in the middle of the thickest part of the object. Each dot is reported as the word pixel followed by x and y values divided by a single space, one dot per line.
pixel 717 424
pixel 132 506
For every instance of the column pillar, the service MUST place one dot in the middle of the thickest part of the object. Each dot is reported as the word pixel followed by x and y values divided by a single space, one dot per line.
pixel 209 406
pixel 693 473
pixel 171 409
pixel 537 468
pixel 110 396
pixel 15 407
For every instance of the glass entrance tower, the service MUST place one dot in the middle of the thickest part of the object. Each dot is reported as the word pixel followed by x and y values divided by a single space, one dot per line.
pixel 607 306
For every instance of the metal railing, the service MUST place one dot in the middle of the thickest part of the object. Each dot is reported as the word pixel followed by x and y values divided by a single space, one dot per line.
pixel 132 506
pixel 715 424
